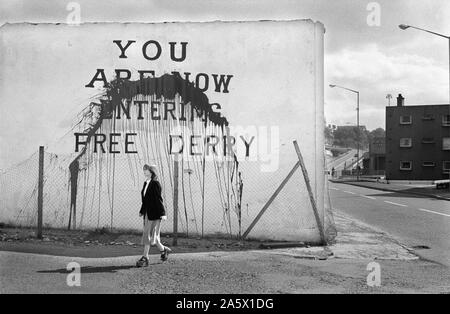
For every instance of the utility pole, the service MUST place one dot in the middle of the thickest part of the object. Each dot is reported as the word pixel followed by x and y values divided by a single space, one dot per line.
pixel 357 125
pixel 389 97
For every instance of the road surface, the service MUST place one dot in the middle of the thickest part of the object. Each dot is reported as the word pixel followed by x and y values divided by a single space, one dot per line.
pixel 257 272
pixel 416 221
pixel 344 161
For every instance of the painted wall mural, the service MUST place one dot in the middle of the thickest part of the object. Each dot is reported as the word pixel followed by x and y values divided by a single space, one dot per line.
pixel 222 100
pixel 155 134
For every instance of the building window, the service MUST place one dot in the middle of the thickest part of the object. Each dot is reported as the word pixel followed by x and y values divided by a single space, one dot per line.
pixel 428 164
pixel 406 142
pixel 446 166
pixel 405 165
pixel 446 120
pixel 446 143
pixel 428 140
pixel 405 119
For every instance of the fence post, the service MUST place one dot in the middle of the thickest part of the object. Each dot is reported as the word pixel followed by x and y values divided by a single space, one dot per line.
pixel 175 200
pixel 40 191
pixel 311 195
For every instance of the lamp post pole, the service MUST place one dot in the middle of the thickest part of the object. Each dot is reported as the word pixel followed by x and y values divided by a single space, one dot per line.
pixel 357 125
pixel 358 137
pixel 404 27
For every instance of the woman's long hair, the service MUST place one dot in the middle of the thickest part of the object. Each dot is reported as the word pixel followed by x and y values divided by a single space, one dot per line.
pixel 152 170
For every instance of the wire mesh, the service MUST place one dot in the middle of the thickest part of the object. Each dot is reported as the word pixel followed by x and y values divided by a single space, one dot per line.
pixel 99 186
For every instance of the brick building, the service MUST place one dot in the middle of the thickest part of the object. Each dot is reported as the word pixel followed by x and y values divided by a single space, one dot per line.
pixel 417 142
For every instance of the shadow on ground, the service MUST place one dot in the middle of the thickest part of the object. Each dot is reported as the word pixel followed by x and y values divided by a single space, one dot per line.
pixel 91 269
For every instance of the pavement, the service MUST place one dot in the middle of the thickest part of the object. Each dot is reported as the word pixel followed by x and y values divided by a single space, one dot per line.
pixel 339 268
pixel 419 222
pixel 355 240
pixel 414 189
pixel 222 272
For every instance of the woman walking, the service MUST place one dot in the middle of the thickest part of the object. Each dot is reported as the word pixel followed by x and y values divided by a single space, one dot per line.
pixel 153 211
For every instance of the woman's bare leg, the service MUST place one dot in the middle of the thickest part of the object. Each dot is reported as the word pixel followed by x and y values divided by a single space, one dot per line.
pixel 146 250
pixel 146 245
pixel 156 234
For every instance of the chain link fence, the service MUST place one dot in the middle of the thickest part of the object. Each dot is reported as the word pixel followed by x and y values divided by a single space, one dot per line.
pixel 108 196
pixel 99 186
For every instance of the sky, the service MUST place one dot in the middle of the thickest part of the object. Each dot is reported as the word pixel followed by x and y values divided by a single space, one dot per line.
pixel 374 58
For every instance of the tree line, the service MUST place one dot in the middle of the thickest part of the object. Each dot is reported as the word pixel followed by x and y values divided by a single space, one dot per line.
pixel 347 136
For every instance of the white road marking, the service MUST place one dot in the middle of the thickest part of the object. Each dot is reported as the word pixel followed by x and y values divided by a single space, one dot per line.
pixel 392 203
pixel 369 197
pixel 430 211
pixel 397 204
pixel 335 189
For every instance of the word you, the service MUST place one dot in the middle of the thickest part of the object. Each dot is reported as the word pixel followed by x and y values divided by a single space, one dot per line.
pixel 152 51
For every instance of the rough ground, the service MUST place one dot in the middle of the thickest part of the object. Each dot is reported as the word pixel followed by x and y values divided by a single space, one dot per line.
pixel 102 243
pixel 219 266
pixel 221 272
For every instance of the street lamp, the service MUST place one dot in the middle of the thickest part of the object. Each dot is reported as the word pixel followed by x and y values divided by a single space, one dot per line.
pixel 357 124
pixel 405 26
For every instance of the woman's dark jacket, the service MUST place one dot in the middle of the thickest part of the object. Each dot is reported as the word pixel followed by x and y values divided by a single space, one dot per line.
pixel 152 202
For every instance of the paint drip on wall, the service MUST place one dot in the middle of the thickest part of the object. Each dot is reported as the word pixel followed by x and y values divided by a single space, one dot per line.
pixel 111 113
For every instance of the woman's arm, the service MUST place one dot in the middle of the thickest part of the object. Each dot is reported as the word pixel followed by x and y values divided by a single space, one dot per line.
pixel 158 198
